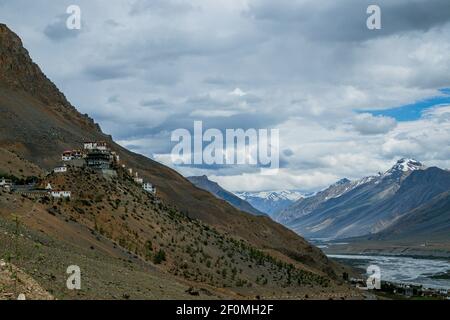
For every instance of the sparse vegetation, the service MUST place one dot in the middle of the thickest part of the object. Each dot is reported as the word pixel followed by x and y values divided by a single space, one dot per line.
pixel 159 257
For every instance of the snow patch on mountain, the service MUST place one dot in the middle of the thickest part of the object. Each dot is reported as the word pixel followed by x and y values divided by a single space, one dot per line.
pixel 271 202
pixel 272 195
pixel 405 165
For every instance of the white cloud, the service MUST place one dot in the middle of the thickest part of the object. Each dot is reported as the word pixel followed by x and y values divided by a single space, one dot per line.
pixel 366 123
pixel 238 92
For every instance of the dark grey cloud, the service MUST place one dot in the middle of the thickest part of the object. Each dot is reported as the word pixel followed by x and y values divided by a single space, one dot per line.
pixel 107 72
pixel 288 152
pixel 252 99
pixel 113 23
pixel 57 30
pixel 206 101
pixel 158 103
pixel 346 20
pixel 415 15
pixel 219 81
pixel 160 7
pixel 185 121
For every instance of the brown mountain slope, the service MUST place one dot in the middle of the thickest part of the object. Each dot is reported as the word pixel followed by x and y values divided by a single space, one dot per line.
pixel 38 123
pixel 15 282
pixel 428 222
pixel 113 224
pixel 45 244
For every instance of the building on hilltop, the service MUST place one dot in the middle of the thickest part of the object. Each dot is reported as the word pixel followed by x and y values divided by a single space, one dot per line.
pixel 32 193
pixel 99 156
pixel 61 169
pixel 147 186
pixel 100 145
pixel 6 184
pixel 30 190
pixel 98 159
pixel 116 157
pixel 70 155
pixel 138 180
pixel 66 156
pixel 95 155
pixel 77 154
pixel 61 194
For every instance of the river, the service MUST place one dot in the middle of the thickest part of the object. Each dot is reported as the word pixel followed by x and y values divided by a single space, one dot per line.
pixel 431 273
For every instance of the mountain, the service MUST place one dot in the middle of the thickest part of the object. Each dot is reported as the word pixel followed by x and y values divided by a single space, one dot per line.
pixel 204 183
pixel 270 202
pixel 428 222
pixel 369 205
pixel 183 238
pixel 304 206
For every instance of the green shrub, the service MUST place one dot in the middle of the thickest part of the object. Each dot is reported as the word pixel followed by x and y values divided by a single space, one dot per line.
pixel 159 257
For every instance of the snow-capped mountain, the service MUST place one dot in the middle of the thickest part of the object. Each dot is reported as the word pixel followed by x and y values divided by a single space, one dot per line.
pixel 369 205
pixel 404 166
pixel 270 202
pixel 305 205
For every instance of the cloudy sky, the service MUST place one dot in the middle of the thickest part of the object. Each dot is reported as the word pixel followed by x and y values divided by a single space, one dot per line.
pixel 348 101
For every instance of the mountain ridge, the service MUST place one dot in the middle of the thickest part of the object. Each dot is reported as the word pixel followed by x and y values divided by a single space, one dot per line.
pixel 204 183
pixel 270 202
pixel 368 205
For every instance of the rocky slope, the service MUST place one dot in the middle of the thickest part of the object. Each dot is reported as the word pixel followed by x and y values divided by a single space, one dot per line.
pixel 122 216
pixel 15 284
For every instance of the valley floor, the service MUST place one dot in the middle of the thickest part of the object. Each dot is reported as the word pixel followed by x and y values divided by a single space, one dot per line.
pixel 428 249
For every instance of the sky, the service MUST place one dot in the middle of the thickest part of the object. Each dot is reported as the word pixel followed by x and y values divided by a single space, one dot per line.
pixel 348 101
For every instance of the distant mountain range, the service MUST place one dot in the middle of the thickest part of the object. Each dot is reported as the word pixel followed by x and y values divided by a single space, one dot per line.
pixel 204 183
pixel 266 203
pixel 305 205
pixel 409 200
pixel 270 202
